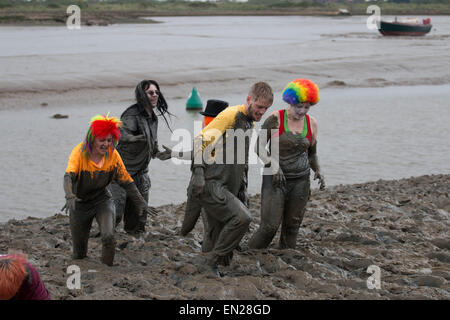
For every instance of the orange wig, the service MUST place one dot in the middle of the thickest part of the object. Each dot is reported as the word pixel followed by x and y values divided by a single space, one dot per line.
pixel 12 274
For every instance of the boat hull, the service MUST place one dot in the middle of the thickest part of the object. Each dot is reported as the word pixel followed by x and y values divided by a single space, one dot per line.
pixel 403 29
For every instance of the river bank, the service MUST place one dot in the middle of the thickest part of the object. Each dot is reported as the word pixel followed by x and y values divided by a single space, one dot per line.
pixel 401 226
pixel 103 14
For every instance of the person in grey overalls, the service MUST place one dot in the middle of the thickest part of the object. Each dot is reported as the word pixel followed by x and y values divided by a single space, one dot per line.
pixel 138 144
pixel 284 194
pixel 217 184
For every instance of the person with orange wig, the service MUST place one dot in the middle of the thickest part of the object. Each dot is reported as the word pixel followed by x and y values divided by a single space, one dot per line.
pixel 284 195
pixel 92 165
pixel 19 280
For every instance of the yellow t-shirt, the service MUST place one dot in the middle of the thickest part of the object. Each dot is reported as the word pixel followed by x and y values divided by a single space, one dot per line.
pixel 91 179
pixel 211 134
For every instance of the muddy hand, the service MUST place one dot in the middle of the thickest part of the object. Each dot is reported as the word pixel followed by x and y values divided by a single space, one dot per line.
pixel 243 196
pixel 198 183
pixel 139 137
pixel 317 175
pixel 70 204
pixel 278 179
pixel 151 211
pixel 164 155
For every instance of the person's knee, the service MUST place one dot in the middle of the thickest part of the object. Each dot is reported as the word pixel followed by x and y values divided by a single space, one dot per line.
pixel 246 220
pixel 269 229
pixel 241 220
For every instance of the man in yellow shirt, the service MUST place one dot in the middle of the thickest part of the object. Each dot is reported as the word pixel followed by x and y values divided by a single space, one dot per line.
pixel 92 165
pixel 218 171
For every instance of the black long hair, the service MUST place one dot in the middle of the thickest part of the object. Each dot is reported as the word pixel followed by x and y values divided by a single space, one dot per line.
pixel 143 101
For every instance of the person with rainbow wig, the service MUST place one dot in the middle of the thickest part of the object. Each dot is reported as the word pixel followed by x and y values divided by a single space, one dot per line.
pixel 284 194
pixel 92 165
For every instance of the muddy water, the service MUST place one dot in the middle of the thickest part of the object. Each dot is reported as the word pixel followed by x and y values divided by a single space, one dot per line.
pixel 364 134
pixel 221 50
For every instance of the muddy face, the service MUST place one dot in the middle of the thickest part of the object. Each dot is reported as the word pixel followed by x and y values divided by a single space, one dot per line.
pixel 102 145
pixel 298 111
pixel 257 108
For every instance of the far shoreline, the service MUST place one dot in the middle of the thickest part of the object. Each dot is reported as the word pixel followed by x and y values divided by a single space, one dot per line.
pixel 107 14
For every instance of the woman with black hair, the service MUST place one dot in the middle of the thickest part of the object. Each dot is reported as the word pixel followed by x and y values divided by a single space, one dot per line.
pixel 138 144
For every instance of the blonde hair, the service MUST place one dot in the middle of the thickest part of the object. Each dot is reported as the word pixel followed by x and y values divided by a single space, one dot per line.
pixel 261 90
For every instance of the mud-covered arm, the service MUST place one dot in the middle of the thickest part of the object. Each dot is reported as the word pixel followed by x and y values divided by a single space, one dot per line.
pixel 70 178
pixel 129 130
pixel 269 130
pixel 168 153
pixel 243 194
pixel 124 179
pixel 312 154
pixel 182 155
pixel 314 164
pixel 134 194
pixel 192 212
pixel 270 124
pixel 206 141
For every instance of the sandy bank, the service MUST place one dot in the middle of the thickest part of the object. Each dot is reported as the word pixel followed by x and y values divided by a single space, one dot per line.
pixel 89 89
pixel 220 56
pixel 401 226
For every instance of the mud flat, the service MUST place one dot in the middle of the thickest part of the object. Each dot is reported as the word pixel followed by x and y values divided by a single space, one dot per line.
pixel 401 226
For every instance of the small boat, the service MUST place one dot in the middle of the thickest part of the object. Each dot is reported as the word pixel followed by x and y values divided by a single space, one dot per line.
pixel 406 27
pixel 343 12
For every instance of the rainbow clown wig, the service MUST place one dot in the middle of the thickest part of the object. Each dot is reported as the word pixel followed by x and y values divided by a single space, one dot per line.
pixel 301 90
pixel 100 127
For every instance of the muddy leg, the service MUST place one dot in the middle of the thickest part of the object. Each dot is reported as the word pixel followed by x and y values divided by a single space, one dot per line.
pixel 272 205
pixel 80 226
pixel 296 200
pixel 234 216
pixel 143 184
pixel 212 229
pixel 105 219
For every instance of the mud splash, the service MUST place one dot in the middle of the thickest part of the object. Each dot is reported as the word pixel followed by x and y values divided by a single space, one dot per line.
pixel 401 226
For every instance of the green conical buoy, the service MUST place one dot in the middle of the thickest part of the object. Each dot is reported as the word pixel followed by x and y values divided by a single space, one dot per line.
pixel 194 101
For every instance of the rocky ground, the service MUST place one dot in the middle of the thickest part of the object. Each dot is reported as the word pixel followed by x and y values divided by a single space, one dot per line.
pixel 401 226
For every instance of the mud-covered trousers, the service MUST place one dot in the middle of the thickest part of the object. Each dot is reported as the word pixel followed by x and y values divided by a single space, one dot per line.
pixel 133 218
pixel 286 206
pixel 211 232
pixel 227 220
pixel 80 225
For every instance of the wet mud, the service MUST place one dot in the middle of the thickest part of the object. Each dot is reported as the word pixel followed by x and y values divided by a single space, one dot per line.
pixel 401 226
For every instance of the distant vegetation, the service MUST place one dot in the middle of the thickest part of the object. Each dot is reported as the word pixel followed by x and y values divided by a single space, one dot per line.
pixel 126 11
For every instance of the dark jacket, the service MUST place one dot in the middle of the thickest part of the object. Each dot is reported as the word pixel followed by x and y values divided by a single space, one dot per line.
pixel 136 155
